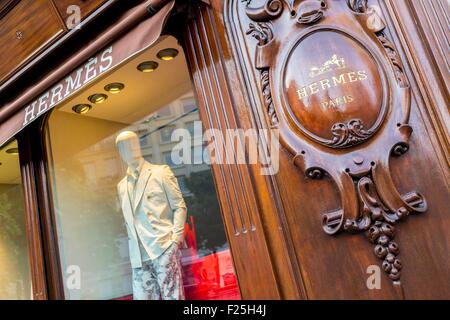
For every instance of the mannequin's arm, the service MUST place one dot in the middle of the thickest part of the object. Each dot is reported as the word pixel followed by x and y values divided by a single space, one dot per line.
pixel 176 203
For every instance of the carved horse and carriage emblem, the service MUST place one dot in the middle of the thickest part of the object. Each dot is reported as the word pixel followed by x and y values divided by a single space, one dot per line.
pixel 334 62
pixel 337 91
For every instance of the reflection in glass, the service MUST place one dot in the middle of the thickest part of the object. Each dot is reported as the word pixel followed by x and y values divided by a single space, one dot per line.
pixel 86 167
pixel 15 278
pixel 166 133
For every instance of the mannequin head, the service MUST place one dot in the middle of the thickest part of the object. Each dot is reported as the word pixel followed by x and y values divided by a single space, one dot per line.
pixel 129 148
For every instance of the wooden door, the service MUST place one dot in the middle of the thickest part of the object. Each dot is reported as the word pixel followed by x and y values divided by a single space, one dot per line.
pixel 362 188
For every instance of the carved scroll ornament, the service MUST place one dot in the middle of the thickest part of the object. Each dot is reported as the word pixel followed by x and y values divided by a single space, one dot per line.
pixel 342 113
pixel 262 32
pixel 347 134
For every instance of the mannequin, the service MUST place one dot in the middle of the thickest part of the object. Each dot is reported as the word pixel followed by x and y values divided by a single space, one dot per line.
pixel 129 148
pixel 155 214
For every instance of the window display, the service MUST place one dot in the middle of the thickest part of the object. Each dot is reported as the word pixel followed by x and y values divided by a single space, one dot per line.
pixel 132 221
pixel 155 215
pixel 15 274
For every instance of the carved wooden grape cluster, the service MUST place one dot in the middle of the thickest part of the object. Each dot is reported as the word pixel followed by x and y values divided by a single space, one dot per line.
pixel 382 234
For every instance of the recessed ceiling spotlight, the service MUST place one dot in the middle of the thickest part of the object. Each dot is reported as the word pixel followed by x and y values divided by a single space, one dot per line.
pixel 13 151
pixel 82 108
pixel 115 87
pixel 148 66
pixel 167 54
pixel 98 98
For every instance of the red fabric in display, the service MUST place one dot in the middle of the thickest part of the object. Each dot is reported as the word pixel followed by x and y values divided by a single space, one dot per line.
pixel 210 277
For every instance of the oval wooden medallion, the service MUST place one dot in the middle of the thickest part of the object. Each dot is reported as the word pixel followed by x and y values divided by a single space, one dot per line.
pixel 333 89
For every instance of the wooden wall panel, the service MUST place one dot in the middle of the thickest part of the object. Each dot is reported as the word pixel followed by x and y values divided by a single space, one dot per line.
pixel 86 7
pixel 24 31
pixel 421 30
pixel 336 266
pixel 6 6
pixel 426 39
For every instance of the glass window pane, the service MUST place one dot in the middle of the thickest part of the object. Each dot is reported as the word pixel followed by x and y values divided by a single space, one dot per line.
pixel 182 183
pixel 166 133
pixel 124 204
pixel 167 159
pixel 15 274
pixel 189 105
pixel 190 126
pixel 164 113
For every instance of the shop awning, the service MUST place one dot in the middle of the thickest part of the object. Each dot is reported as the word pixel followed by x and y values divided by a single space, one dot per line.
pixel 107 51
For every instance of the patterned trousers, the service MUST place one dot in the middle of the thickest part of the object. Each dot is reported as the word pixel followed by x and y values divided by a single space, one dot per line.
pixel 159 279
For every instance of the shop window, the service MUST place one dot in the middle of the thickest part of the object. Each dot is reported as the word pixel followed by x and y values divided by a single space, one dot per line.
pixel 190 126
pixel 166 133
pixel 113 232
pixel 164 112
pixel 15 274
pixel 182 183
pixel 167 159
pixel 143 139
pixel 189 105
pixel 197 155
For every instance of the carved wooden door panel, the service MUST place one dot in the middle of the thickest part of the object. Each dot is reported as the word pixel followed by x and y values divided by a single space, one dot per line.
pixel 362 178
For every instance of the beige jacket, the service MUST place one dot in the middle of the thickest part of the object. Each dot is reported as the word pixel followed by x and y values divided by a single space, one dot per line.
pixel 158 214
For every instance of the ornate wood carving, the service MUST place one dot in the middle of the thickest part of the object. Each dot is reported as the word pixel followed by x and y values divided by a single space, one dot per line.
pixel 334 85
pixel 359 6
pixel 395 60
pixel 376 24
pixel 262 32
pixel 311 11
pixel 348 134
pixel 271 9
